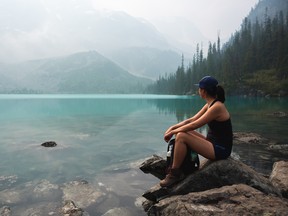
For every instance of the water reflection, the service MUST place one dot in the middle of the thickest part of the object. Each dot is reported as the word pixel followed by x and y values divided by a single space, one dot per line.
pixel 182 108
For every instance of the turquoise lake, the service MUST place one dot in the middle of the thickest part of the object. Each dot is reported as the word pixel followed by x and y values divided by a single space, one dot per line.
pixel 103 138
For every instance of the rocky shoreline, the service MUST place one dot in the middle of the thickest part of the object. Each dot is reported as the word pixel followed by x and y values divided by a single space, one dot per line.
pixel 106 195
pixel 218 192
pixel 225 187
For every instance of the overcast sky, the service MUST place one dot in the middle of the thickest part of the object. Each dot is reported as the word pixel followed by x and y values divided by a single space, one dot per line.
pixel 209 16
pixel 34 28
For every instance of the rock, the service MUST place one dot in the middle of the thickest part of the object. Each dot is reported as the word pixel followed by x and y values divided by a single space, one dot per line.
pixel 39 197
pixel 281 148
pixel 234 200
pixel 49 144
pixel 5 211
pixel 279 114
pixel 253 138
pixel 40 208
pixel 256 139
pixel 45 190
pixel 118 211
pixel 279 178
pixel 70 209
pixel 7 181
pixel 82 193
pixel 224 187
pixel 219 173
pixel 155 165
pixel 11 196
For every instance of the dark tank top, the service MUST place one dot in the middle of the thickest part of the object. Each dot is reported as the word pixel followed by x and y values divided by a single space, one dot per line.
pixel 220 132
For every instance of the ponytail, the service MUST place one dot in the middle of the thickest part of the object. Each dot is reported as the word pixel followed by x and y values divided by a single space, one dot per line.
pixel 220 93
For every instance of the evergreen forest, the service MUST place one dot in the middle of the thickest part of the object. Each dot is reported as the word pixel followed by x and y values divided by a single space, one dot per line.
pixel 253 62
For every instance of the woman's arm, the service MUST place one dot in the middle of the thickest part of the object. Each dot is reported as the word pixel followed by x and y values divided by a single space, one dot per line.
pixel 209 115
pixel 185 122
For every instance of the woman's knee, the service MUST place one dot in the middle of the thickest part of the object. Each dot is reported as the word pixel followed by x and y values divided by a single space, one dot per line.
pixel 182 136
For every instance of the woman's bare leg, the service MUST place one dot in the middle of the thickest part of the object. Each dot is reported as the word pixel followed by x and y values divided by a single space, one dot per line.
pixel 195 142
pixel 197 134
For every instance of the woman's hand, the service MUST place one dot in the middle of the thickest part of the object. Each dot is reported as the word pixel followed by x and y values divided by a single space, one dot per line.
pixel 168 135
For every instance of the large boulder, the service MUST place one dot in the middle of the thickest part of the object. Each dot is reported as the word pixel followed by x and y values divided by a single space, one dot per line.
pixel 279 177
pixel 214 175
pixel 228 200
pixel 219 188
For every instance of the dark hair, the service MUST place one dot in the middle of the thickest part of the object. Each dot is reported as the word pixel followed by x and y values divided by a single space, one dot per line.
pixel 218 92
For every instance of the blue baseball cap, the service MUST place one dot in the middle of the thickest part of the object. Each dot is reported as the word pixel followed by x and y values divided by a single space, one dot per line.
pixel 207 82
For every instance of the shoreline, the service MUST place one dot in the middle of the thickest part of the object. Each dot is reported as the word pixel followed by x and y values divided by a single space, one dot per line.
pixel 118 188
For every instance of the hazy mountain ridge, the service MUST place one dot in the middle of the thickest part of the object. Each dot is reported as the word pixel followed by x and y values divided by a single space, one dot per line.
pixel 147 62
pixel 65 31
pixel 267 7
pixel 55 30
pixel 86 72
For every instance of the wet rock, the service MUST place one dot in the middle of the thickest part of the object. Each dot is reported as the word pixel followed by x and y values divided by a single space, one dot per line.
pixel 37 209
pixel 34 191
pixel 256 139
pixel 11 196
pixel 7 181
pixel 70 209
pixel 45 189
pixel 82 193
pixel 5 211
pixel 244 138
pixel 279 177
pixel 118 211
pixel 49 144
pixel 281 148
pixel 279 114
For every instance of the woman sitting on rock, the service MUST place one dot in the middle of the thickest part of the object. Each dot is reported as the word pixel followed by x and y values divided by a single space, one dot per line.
pixel 218 143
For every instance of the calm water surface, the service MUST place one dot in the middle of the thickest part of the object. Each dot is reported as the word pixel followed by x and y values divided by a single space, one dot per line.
pixel 102 138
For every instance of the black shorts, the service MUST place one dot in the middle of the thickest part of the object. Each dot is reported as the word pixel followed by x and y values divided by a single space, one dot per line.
pixel 221 152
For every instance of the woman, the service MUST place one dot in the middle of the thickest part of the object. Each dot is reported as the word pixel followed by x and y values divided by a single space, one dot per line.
pixel 218 143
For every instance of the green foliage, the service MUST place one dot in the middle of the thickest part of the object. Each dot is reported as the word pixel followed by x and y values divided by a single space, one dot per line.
pixel 265 80
pixel 255 58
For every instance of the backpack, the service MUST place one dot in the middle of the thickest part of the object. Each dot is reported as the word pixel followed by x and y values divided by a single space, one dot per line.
pixel 190 164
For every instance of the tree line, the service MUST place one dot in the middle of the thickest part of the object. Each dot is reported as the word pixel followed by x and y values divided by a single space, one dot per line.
pixel 255 59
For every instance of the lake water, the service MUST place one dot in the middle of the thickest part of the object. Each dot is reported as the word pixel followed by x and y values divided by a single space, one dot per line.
pixel 103 138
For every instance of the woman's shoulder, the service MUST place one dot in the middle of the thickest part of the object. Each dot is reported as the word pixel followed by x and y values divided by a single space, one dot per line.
pixel 218 104
pixel 219 107
pixel 222 111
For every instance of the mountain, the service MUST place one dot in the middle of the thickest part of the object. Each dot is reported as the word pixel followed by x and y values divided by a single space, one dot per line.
pixel 147 62
pixel 85 72
pixel 43 29
pixel 181 33
pixel 58 30
pixel 267 8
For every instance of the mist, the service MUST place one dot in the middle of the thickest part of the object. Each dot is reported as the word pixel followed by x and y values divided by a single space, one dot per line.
pixel 34 29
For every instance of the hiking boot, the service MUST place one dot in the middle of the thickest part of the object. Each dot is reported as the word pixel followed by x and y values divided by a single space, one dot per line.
pixel 174 176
